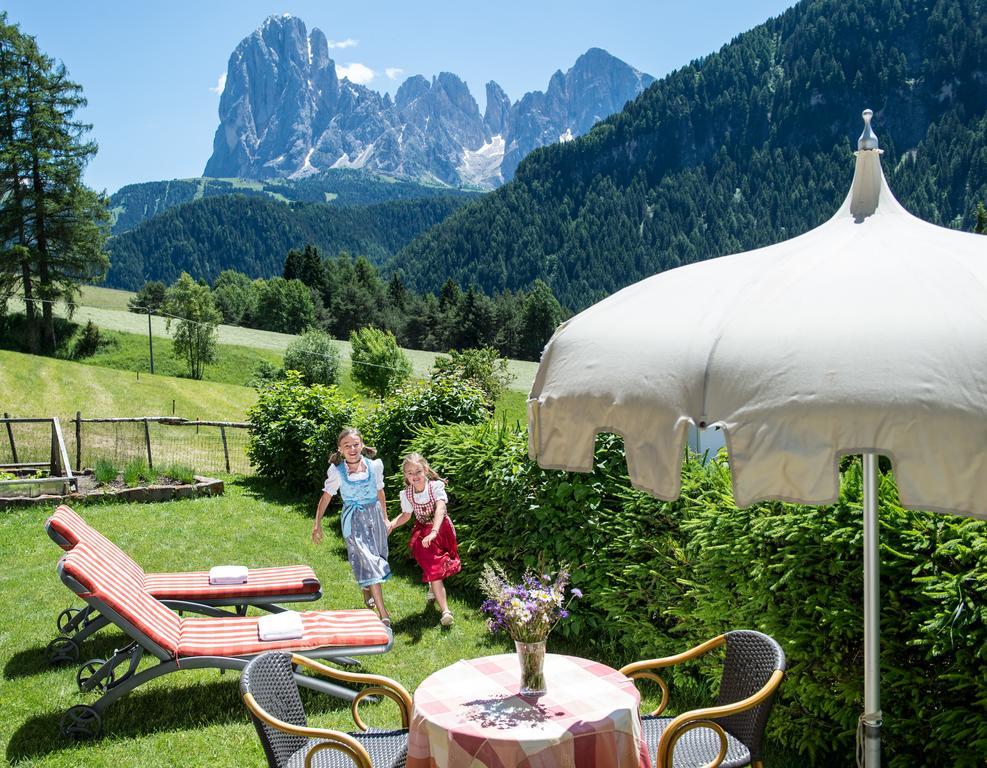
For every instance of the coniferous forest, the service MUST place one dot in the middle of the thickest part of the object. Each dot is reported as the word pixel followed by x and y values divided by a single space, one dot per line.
pixel 746 147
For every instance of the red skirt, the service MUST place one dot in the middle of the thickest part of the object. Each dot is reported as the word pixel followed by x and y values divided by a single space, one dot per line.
pixel 441 559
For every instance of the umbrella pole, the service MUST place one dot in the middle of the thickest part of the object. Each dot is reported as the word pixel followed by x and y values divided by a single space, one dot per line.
pixel 870 721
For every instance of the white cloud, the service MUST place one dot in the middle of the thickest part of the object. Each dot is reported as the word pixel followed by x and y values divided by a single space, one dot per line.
pixel 355 73
pixel 393 73
pixel 349 42
pixel 220 84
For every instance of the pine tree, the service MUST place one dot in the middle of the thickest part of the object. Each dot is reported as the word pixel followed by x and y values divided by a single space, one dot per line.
pixel 44 207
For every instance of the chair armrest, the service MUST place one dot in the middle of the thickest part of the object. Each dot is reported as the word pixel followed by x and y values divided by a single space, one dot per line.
pixel 703 718
pixel 642 669
pixel 380 686
pixel 337 740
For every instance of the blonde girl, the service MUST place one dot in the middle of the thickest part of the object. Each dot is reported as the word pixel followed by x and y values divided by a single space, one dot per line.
pixel 433 539
pixel 359 479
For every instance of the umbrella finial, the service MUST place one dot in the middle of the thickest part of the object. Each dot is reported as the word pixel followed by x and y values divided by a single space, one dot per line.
pixel 868 139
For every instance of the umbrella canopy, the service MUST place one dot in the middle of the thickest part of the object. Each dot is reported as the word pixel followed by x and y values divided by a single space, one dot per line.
pixel 868 333
pixel 865 335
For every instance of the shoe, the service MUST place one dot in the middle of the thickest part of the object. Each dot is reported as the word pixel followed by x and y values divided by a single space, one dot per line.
pixel 368 600
pixel 447 619
pixel 386 621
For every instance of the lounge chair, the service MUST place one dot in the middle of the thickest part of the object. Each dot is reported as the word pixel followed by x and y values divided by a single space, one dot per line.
pixel 177 642
pixel 270 692
pixel 730 734
pixel 265 588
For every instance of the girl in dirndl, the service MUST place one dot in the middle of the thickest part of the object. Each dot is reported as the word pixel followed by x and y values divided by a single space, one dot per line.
pixel 433 539
pixel 359 480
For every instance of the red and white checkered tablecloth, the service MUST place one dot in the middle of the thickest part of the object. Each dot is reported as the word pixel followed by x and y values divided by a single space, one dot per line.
pixel 469 715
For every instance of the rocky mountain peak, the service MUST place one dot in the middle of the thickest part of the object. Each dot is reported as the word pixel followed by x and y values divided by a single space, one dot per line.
pixel 285 112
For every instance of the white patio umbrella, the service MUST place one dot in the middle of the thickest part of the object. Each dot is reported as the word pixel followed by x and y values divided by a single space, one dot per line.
pixel 865 335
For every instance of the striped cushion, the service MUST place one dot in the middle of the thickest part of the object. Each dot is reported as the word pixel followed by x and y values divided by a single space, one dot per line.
pixel 65 521
pixel 261 582
pixel 323 629
pixel 104 577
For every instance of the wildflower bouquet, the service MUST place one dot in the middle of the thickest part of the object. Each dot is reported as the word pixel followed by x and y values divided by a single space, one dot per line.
pixel 527 611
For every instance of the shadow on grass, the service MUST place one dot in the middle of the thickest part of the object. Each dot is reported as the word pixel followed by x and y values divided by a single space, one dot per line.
pixel 266 489
pixel 149 712
pixel 34 661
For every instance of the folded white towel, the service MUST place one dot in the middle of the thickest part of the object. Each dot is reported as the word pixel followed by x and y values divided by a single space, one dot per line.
pixel 280 626
pixel 228 574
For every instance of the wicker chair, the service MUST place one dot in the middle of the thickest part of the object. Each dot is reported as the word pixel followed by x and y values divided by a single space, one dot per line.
pixel 729 734
pixel 271 695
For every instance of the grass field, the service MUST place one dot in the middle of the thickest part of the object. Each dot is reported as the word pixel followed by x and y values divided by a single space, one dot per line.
pixel 107 308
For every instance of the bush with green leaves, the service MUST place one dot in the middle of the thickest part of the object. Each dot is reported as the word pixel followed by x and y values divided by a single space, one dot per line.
pixel 293 429
pixel 89 341
pixel 105 471
pixel 390 426
pixel 660 577
pixel 379 365
pixel 136 472
pixel 180 473
pixel 484 367
pixel 265 373
pixel 315 356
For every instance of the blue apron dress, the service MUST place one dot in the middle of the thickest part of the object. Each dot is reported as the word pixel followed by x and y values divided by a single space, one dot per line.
pixel 363 527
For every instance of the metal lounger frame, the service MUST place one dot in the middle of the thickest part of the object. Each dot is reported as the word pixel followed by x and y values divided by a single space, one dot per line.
pixel 103 678
pixel 79 625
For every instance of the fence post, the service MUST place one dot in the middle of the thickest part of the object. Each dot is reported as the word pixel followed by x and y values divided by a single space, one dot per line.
pixel 78 441
pixel 147 440
pixel 226 450
pixel 10 434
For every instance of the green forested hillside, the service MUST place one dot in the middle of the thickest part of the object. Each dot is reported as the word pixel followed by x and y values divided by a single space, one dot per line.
pixel 743 148
pixel 253 234
pixel 135 203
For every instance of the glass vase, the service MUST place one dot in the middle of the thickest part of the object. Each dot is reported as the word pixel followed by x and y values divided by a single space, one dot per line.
pixel 531 658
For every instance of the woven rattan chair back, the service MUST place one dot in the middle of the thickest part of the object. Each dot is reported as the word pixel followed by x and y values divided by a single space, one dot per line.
pixel 750 660
pixel 269 679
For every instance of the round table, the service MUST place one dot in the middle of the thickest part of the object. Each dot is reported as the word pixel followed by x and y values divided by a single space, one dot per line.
pixel 470 714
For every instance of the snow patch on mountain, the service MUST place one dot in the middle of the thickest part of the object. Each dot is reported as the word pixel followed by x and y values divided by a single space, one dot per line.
pixel 481 167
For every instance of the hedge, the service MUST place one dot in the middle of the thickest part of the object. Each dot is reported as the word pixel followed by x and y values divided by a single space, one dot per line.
pixel 660 577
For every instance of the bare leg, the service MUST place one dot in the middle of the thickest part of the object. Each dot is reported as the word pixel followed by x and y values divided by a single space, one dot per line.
pixel 439 590
pixel 368 599
pixel 376 590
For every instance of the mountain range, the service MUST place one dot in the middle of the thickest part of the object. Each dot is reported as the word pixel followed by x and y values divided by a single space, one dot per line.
pixel 745 147
pixel 285 112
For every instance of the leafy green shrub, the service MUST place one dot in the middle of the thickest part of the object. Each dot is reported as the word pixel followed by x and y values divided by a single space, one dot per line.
pixel 483 367
pixel 265 373
pixel 660 577
pixel 379 365
pixel 136 472
pixel 7 475
pixel 391 426
pixel 180 473
pixel 293 429
pixel 89 341
pixel 314 355
pixel 105 471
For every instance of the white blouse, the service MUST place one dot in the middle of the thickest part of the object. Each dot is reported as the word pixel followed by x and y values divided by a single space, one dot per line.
pixel 333 480
pixel 438 491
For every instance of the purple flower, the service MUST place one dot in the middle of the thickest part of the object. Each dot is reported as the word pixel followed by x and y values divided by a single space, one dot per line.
pixel 577 593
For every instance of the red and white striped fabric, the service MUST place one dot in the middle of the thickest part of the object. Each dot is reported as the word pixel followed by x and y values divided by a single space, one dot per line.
pixel 102 577
pixel 322 629
pixel 261 582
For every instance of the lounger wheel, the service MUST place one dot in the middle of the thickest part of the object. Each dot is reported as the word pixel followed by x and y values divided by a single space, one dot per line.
pixel 81 722
pixel 65 617
pixel 62 650
pixel 84 677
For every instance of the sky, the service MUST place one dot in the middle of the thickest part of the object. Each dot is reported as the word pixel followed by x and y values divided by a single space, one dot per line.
pixel 152 71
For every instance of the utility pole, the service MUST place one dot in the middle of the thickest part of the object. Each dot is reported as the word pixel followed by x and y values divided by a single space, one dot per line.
pixel 150 341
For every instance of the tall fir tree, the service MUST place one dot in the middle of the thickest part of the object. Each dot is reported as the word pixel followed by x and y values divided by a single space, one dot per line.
pixel 56 223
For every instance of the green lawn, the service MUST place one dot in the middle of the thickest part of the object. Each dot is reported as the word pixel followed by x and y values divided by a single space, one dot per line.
pixel 107 308
pixel 43 386
pixel 195 713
